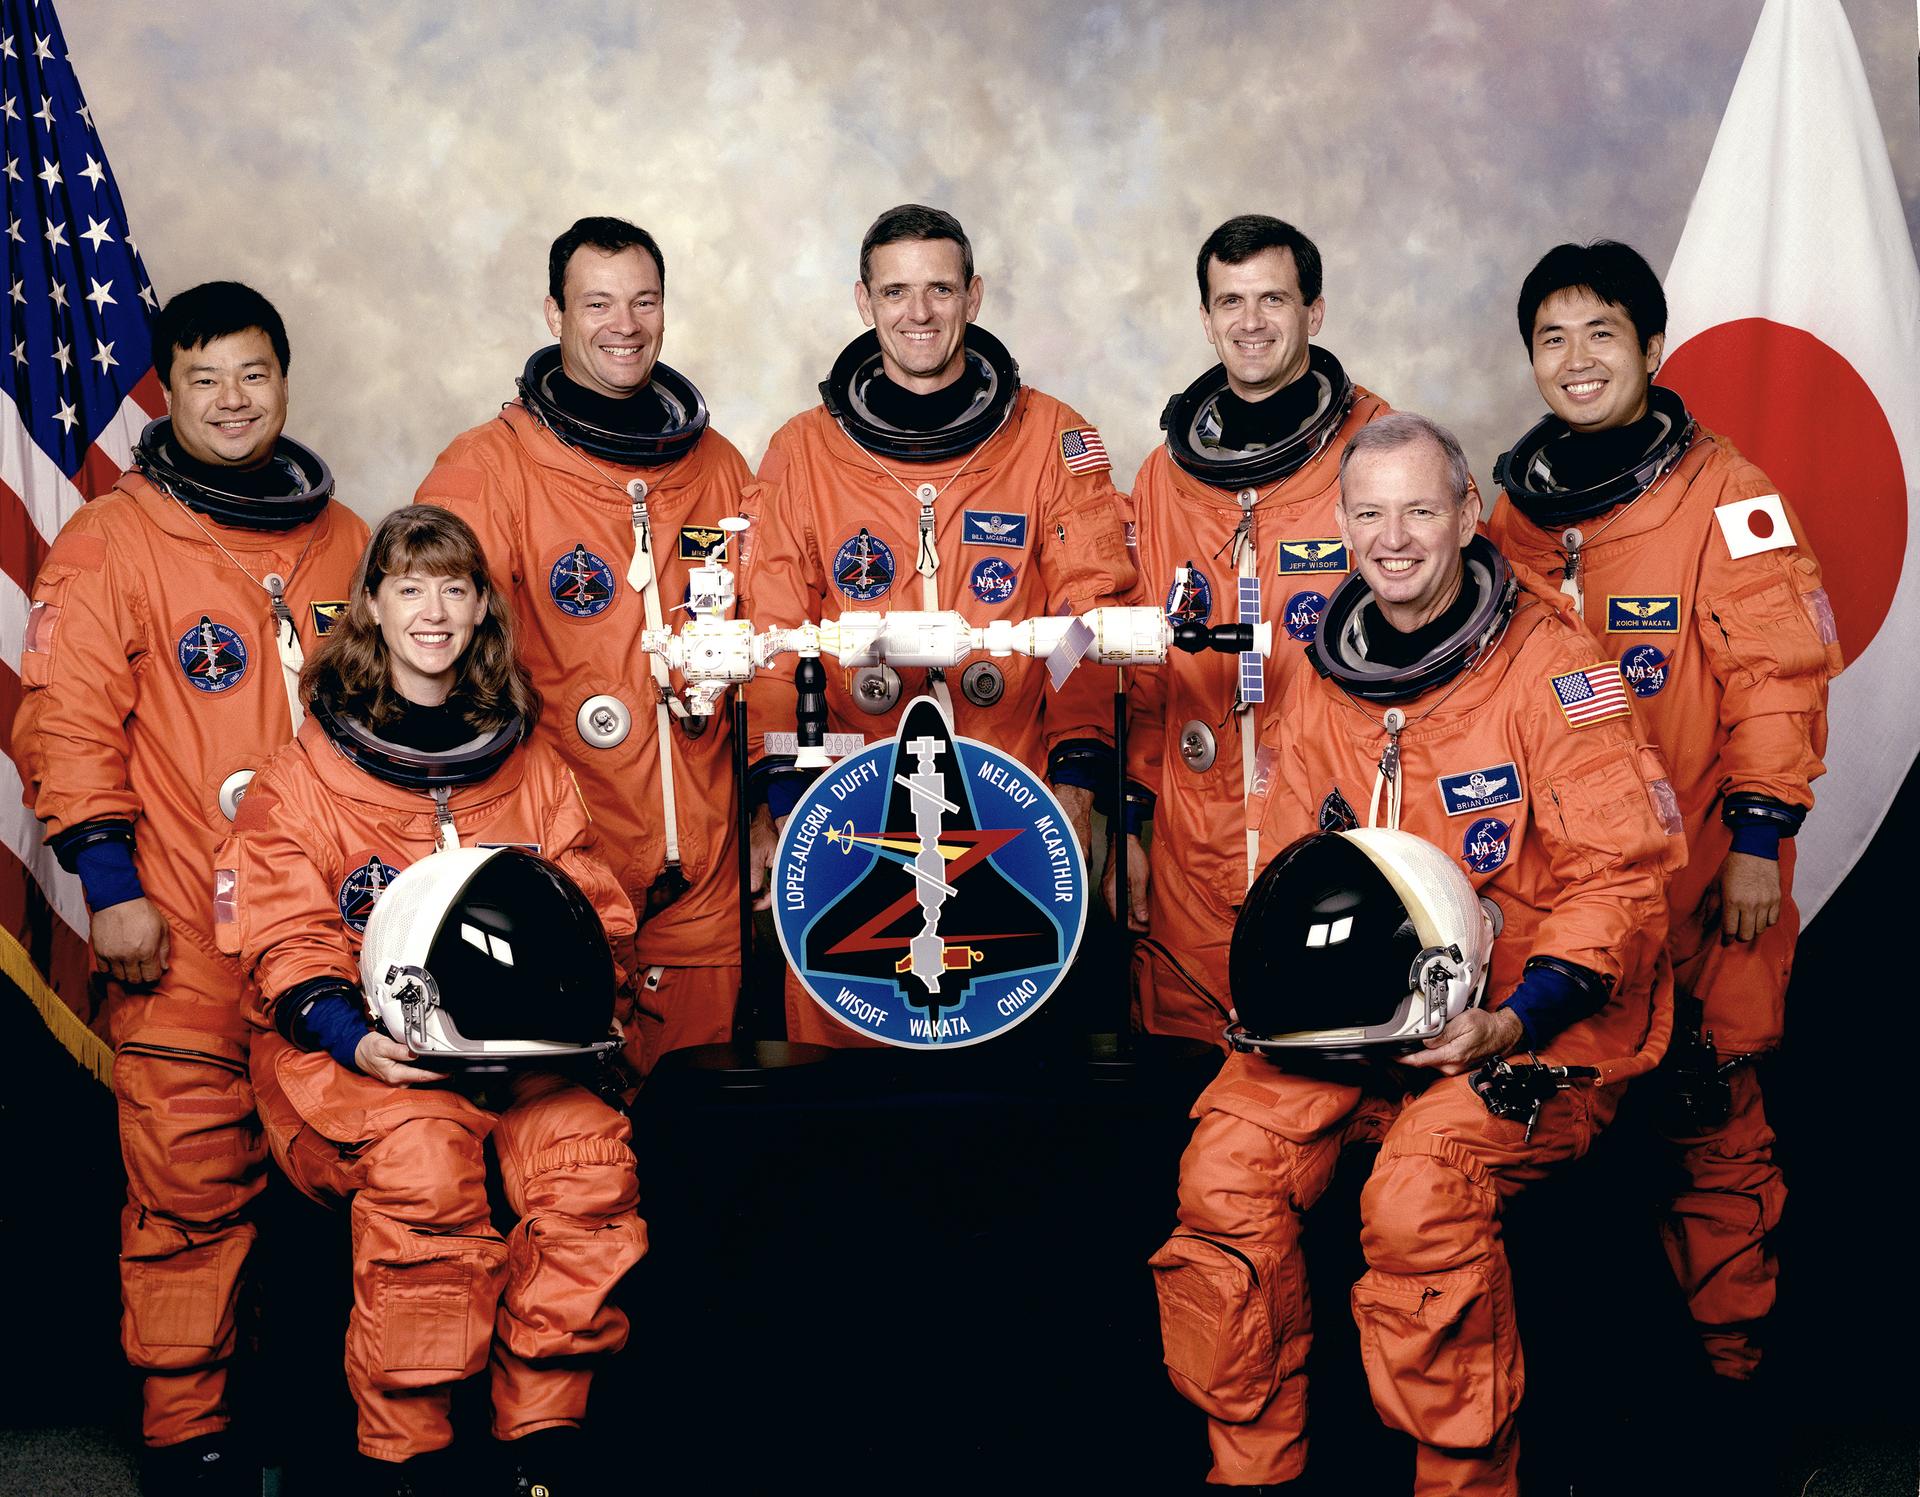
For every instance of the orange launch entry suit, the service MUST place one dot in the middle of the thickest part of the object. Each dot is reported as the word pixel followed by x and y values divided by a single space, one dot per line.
pixel 556 525
pixel 1022 530
pixel 1573 850
pixel 1729 660
pixel 1199 847
pixel 152 679
pixel 436 1287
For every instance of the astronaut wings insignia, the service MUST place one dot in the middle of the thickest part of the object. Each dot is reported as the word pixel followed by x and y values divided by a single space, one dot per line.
pixel 1327 555
pixel 1477 789
pixel 1656 613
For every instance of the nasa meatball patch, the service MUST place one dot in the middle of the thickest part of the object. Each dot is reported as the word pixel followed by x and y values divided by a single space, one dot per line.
pixel 993 580
pixel 1484 848
pixel 1480 789
pixel 1302 615
pixel 1644 668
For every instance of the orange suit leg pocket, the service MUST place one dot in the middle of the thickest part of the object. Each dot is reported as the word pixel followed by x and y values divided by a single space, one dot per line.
pixel 1433 1349
pixel 1222 1310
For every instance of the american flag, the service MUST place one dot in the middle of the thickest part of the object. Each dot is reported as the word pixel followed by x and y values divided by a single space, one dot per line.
pixel 1083 450
pixel 78 386
pixel 1592 695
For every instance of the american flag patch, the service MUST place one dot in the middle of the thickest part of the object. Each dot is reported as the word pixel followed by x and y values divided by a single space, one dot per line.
pixel 1592 695
pixel 1083 451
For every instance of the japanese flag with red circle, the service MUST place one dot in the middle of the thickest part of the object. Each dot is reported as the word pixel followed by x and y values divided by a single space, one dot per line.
pixel 1754 525
pixel 1795 332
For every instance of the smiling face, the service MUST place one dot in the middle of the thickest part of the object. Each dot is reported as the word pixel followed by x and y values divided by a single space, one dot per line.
pixel 1257 323
pixel 613 322
pixel 1405 530
pixel 228 399
pixel 1588 362
pixel 918 300
pixel 427 623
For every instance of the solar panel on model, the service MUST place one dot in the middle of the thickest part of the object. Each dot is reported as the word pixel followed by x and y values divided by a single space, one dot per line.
pixel 1253 672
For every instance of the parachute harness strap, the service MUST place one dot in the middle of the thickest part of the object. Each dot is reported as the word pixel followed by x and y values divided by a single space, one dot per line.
pixel 644 578
pixel 926 559
pixel 285 637
pixel 1246 555
pixel 1573 538
pixel 1386 775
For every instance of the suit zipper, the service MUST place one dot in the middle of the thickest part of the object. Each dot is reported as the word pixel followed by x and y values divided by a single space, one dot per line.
pixel 1225 1247
pixel 176 1052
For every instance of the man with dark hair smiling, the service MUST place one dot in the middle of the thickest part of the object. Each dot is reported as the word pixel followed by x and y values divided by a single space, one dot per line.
pixel 594 495
pixel 1694 571
pixel 931 478
pixel 1245 486
pixel 161 668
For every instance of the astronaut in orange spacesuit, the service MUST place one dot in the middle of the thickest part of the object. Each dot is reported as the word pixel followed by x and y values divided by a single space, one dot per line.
pixel 1458 700
pixel 169 623
pixel 417 746
pixel 1245 486
pixel 594 494
pixel 931 478
pixel 1695 573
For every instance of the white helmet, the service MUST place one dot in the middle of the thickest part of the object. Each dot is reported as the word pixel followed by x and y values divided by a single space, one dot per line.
pixel 1359 942
pixel 486 955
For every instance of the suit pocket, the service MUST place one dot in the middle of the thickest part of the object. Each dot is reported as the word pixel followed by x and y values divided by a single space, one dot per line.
pixel 1220 1322
pixel 1441 1356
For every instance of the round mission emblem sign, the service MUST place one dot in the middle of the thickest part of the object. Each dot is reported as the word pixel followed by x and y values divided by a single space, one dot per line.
pixel 929 890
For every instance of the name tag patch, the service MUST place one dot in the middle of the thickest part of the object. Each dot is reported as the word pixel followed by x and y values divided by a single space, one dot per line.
pixel 1647 613
pixel 1312 556
pixel 992 527
pixel 1477 789
pixel 696 541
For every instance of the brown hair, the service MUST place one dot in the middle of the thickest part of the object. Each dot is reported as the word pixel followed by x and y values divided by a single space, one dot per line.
pixel 353 665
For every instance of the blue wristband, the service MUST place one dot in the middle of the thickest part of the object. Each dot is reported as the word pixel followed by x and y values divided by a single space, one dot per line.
pixel 1548 1000
pixel 1086 763
pixel 783 794
pixel 1759 839
pixel 339 1024
pixel 107 874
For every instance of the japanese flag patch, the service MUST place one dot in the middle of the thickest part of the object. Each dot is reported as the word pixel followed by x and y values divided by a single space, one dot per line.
pixel 1754 525
pixel 1082 450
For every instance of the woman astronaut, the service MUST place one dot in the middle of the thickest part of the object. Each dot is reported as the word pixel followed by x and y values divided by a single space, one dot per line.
pixel 417 745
